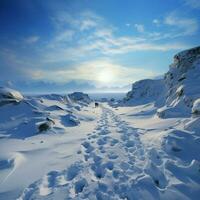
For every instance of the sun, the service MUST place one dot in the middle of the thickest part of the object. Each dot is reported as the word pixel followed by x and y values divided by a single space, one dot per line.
pixel 105 76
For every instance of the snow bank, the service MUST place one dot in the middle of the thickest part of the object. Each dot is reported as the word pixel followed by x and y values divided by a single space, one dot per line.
pixel 145 91
pixel 8 95
pixel 193 125
pixel 176 93
pixel 182 83
pixel 70 120
pixel 196 107
pixel 80 97
pixel 39 114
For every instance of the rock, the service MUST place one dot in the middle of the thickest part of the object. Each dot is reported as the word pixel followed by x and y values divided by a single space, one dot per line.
pixel 8 95
pixel 196 107
pixel 80 97
pixel 145 91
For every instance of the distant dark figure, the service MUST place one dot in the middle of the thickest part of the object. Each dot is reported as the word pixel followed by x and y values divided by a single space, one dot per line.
pixel 96 104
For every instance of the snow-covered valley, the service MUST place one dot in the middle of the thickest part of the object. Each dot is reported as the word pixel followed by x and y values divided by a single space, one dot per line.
pixel 145 146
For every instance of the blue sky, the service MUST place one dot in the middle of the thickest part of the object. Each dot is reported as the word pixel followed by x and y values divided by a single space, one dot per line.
pixel 103 43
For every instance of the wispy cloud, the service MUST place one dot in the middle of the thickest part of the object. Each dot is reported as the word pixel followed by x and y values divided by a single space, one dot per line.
pixel 139 27
pixel 185 26
pixel 156 21
pixel 31 39
pixel 81 41
pixel 92 70
pixel 64 36
pixel 193 3
pixel 91 35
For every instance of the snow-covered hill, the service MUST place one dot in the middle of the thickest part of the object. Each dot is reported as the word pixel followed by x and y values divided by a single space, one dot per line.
pixel 146 91
pixel 175 95
pixel 27 116
pixel 144 147
pixel 183 84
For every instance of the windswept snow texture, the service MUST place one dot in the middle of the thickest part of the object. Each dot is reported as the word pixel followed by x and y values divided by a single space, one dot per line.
pixel 119 159
pixel 34 115
pixel 183 84
pixel 146 91
pixel 8 95
pixel 143 147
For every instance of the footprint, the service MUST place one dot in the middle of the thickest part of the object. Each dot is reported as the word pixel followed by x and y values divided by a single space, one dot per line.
pixel 114 142
pixel 102 187
pixel 130 143
pixel 156 174
pixel 109 165
pixel 79 185
pixel 112 155
pixel 89 148
pixel 124 166
pixel 101 141
pixel 73 171
pixel 99 170
pixel 116 174
pixel 47 183
pixel 94 136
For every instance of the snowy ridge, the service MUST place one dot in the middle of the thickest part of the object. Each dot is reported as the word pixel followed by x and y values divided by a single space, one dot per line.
pixel 40 114
pixel 182 82
pixel 8 95
pixel 176 94
pixel 145 91
pixel 145 147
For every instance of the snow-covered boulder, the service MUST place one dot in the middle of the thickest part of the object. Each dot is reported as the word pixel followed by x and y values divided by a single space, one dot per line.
pixel 196 107
pixel 193 125
pixel 8 95
pixel 80 97
pixel 182 83
pixel 44 126
pixel 145 91
pixel 69 120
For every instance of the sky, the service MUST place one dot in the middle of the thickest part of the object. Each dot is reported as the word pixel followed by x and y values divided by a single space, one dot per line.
pixel 59 45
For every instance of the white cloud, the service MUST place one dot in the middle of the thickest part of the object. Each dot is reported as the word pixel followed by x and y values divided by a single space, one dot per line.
pixel 139 27
pixel 156 21
pixel 193 3
pixel 101 40
pixel 185 26
pixel 92 70
pixel 96 36
pixel 32 39
pixel 65 36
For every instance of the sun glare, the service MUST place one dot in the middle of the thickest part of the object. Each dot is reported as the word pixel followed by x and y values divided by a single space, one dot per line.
pixel 106 76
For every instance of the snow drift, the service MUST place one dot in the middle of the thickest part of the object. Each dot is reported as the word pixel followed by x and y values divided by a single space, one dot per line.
pixel 8 95
pixel 38 114
pixel 182 83
pixel 176 93
pixel 145 91
pixel 80 97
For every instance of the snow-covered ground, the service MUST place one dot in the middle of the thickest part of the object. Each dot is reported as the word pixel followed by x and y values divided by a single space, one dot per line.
pixel 145 146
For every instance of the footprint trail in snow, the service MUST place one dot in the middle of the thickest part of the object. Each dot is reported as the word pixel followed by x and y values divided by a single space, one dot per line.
pixel 114 165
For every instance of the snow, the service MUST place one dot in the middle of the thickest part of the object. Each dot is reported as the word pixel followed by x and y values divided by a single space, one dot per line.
pixel 145 91
pixel 196 107
pixel 80 97
pixel 123 158
pixel 8 95
pixel 142 147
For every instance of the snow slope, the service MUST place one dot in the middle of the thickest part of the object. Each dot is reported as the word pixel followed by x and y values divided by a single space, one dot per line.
pixel 144 147
pixel 34 133
pixel 146 91
pixel 8 95
pixel 174 95
pixel 128 156
pixel 182 82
